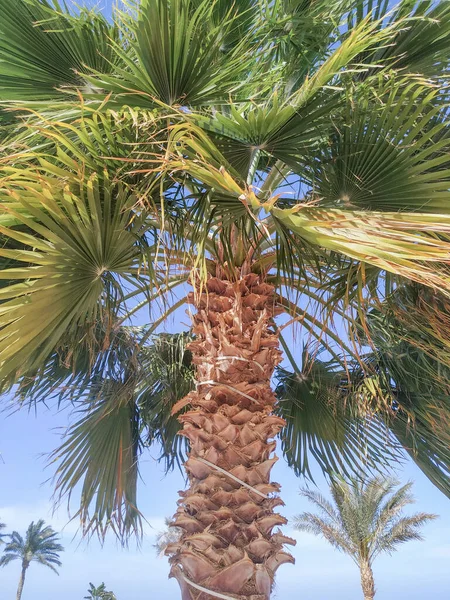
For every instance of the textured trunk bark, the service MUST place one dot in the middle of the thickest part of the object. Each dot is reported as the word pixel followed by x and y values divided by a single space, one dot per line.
pixel 228 548
pixel 367 582
pixel 21 582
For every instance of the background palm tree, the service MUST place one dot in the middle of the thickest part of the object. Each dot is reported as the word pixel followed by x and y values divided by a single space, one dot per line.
pixel 248 159
pixel 365 520
pixel 99 593
pixel 40 545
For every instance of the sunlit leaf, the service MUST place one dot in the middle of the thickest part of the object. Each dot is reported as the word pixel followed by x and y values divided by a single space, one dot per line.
pixel 79 235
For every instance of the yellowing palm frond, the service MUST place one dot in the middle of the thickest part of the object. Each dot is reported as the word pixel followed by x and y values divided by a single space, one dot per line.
pixel 74 237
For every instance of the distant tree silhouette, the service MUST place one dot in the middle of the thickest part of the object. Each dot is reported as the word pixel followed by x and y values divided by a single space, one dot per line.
pixel 99 593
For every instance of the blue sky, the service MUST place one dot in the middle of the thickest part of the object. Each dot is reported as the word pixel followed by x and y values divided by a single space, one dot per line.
pixel 418 571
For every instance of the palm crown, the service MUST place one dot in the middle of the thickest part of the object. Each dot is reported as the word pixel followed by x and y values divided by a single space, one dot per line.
pixel 99 593
pixel 364 520
pixel 305 143
pixel 40 545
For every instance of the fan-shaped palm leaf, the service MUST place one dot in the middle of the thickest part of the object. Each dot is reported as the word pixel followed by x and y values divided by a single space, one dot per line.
pixel 80 233
pixel 177 55
pixel 44 48
pixel 101 449
pixel 384 158
pixel 125 401
pixel 322 422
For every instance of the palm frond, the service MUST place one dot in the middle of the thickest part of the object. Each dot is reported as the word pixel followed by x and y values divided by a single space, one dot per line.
pixel 420 45
pixel 321 422
pixel 301 35
pixel 123 406
pixel 311 523
pixel 176 55
pixel 45 49
pixel 427 449
pixel 403 530
pixel 365 519
pixel 83 358
pixel 389 155
pixel 413 245
pixel 7 558
pixel 243 14
pixel 101 450
pixel 76 235
pixel 409 365
pixel 169 377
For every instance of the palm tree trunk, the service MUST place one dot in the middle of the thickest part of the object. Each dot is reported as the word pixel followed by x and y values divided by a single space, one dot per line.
pixel 367 582
pixel 228 548
pixel 21 581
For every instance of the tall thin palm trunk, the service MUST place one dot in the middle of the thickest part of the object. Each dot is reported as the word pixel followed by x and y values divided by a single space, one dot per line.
pixel 367 582
pixel 228 545
pixel 21 581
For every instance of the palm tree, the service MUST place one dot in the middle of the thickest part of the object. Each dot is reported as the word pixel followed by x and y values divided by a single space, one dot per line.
pixel 99 593
pixel 365 521
pixel 40 545
pixel 249 159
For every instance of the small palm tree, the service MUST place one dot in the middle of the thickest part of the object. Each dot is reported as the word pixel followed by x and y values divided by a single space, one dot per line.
pixel 99 593
pixel 365 521
pixel 40 545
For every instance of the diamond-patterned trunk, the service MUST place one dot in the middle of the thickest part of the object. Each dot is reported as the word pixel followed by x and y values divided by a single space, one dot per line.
pixel 230 545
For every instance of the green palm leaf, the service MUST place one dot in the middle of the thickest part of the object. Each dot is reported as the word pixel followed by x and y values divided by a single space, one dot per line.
pixel 322 422
pixel 389 156
pixel 79 233
pixel 176 55
pixel 44 48
pixel 279 130
pixel 101 450
pixel 126 404
pixel 168 376
pixel 427 448
pixel 409 366
pixel 421 46
pixel 99 353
